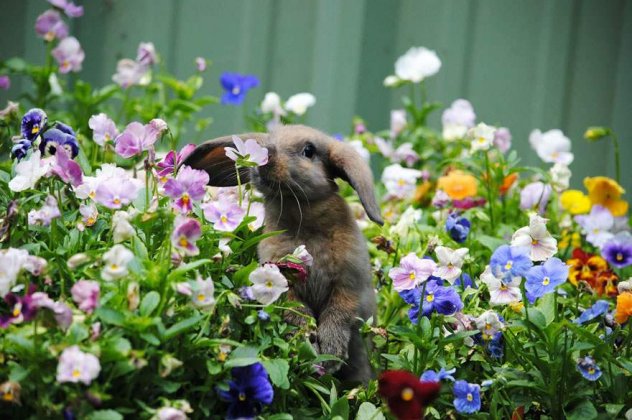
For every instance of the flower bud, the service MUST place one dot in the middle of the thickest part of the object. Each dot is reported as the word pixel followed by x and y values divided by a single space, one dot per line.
pixel 596 133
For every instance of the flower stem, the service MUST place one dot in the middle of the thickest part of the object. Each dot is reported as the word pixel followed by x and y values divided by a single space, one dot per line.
pixel 489 192
pixel 238 184
pixel 617 163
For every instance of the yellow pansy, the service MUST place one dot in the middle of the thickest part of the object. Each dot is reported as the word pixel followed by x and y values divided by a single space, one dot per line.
pixel 575 202
pixel 606 192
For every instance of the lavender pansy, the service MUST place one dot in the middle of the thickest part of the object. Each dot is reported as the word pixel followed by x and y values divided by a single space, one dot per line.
pixel 118 193
pixel 225 214
pixel 49 25
pixel 69 55
pixel 457 119
pixel 597 225
pixel 71 9
pixel 45 215
pixel 103 129
pixel 412 271
pixel 535 195
pixel 248 153
pixel 86 293
pixel 502 139
pixel 5 82
pixel 77 366
pixel 146 54
pixel 167 167
pixel 186 232
pixel 188 186
pixel 67 169
pixel 138 137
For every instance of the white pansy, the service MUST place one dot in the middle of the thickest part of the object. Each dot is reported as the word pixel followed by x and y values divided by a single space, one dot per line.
pixel 302 254
pixel 481 137
pixel 501 293
pixel 400 182
pixel 203 293
pixel 299 103
pixel 450 263
pixel 489 323
pixel 560 177
pixel 358 146
pixel 536 238
pixel 552 146
pixel 116 261
pixel 272 104
pixel 28 172
pixel 417 64
pixel 391 81
pixel 407 221
pixel 122 229
pixel 12 260
pixel 268 284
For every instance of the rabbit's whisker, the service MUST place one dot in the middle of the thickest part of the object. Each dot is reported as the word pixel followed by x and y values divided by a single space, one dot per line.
pixel 300 211
pixel 281 196
pixel 303 191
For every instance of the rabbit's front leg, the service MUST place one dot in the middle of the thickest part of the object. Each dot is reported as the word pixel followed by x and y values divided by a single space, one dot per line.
pixel 334 325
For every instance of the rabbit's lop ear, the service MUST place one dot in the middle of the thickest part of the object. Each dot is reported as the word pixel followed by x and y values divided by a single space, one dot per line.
pixel 349 165
pixel 211 157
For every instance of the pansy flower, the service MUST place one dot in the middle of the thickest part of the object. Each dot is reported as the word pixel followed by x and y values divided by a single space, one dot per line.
pixel 467 397
pixel 543 279
pixel 481 137
pixel 510 262
pixel 535 196
pixel 225 214
pixel 103 129
pixel 457 119
pixel 248 153
pixel 575 202
pixel 552 146
pixel 77 366
pixel 599 308
pixel 138 137
pixel 411 272
pixel 236 87
pixel 20 308
pixel 61 136
pixel 300 102
pixel 457 227
pixel 618 250
pixel 69 8
pixel 67 169
pixel 33 123
pixel 69 55
pixel 458 185
pixel 588 368
pixel 597 225
pixel 21 148
pixel 12 260
pixel 188 186
pixel 185 234
pixel 203 293
pixel 167 166
pixel 268 284
pixel 49 25
pixel 433 376
pixel 450 263
pixel 503 290
pixel 116 261
pixel 606 192
pixel 536 238
pixel 400 182
pixel 624 307
pixel 406 396
pixel 86 294
pixel 45 214
pixel 249 390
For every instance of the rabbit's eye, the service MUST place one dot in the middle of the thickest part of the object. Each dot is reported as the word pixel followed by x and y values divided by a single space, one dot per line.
pixel 309 151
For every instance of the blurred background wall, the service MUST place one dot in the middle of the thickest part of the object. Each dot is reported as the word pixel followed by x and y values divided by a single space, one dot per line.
pixel 523 64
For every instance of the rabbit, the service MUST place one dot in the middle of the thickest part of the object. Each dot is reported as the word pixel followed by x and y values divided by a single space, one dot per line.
pixel 301 199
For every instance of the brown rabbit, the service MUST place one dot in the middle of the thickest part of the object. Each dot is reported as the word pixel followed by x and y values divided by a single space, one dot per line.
pixel 300 198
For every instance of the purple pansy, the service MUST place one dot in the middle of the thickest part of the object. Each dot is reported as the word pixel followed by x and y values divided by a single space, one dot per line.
pixel 467 397
pixel 69 8
pixel 66 169
pixel 138 137
pixel 237 86
pixel 5 82
pixel 588 368
pixel 618 250
pixel 225 214
pixel 69 55
pixel 86 293
pixel 59 136
pixel 188 186
pixel 249 389
pixel 20 308
pixel 118 192
pixel 543 279
pixel 21 148
pixel 432 376
pixel 167 167
pixel 49 25
pixel 103 129
pixel 61 312
pixel 186 232
pixel 412 271
pixel 33 123
pixel 534 195
pixel 129 72
pixel 437 298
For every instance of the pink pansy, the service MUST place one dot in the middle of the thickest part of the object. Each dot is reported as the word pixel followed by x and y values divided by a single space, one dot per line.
pixel 502 139
pixel 118 192
pixel 138 137
pixel 186 232
pixel 188 186
pixel 89 213
pixel 49 25
pixel 167 167
pixel 450 263
pixel 77 366
pixel 69 55
pixel 398 122
pixel 405 153
pixel 536 238
pixel 108 173
pixel 225 214
pixel 412 271
pixel 146 55
pixel 128 73
pixel 5 82
pixel 85 293
pixel 250 151
pixel 61 312
pixel 103 129
pixel 71 9
pixel 45 215
pixel 67 169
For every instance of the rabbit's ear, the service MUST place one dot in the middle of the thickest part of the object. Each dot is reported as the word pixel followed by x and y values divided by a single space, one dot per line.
pixel 211 157
pixel 349 165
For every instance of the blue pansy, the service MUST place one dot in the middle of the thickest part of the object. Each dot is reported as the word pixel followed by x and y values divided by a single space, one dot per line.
pixel 20 148
pixel 465 281
pixel 249 390
pixel 588 368
pixel 263 315
pixel 467 397
pixel 458 227
pixel 54 138
pixel 543 279
pixel 33 123
pixel 443 300
pixel 509 261
pixel 599 308
pixel 495 346
pixel 432 376
pixel 236 86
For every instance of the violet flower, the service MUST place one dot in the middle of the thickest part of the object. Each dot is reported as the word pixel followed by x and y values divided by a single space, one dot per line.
pixel 86 293
pixel 103 129
pixel 225 214
pixel 66 169
pixel 21 308
pixel 502 139
pixel 188 186
pixel 186 232
pixel 69 55
pixel 412 271
pixel 248 153
pixel 137 137
pixel 77 366
pixel 457 227
pixel 21 148
pixel 5 82
pixel 69 8
pixel 167 167
pixel 118 192
pixel 45 215
pixel 236 86
pixel 49 25
pixel 618 250
pixel 129 73
pixel 543 279
pixel 146 54
pixel 33 123
pixel 55 138
pixel 61 312
pixel 534 195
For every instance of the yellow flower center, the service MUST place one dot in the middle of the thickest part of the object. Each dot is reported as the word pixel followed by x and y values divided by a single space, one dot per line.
pixel 509 265
pixel 92 194
pixel 503 286
pixel 107 137
pixel 269 284
pixel 407 394
pixel 200 297
pixel 90 221
pixel 488 326
pixel 401 182
pixel 183 242
pixel 224 219
pixel 430 297
pixel 185 199
pixel 7 396
pixel 76 373
pixel 534 242
pixel 619 257
pixel 591 371
pixel 114 266
pixel 242 396
pixel 35 129
pixel 17 310
pixel 412 275
pixel 546 281
pixel 469 397
pixel 116 201
pixel 481 140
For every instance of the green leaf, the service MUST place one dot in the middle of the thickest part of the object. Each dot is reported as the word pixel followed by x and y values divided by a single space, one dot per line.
pixel 585 410
pixel 490 242
pixel 613 409
pixel 368 411
pixel 546 305
pixel 182 326
pixel 340 408
pixel 110 316
pixel 278 370
pixel 149 303
pixel 183 269
pixel 280 416
pixel 537 318
pixel 104 415
pixel 243 356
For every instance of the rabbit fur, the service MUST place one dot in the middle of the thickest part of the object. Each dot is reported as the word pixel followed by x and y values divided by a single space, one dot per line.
pixel 301 199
